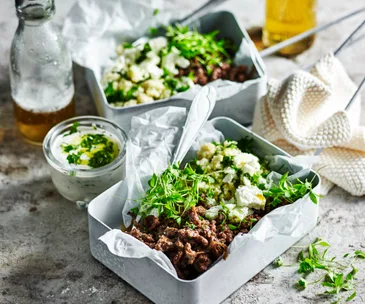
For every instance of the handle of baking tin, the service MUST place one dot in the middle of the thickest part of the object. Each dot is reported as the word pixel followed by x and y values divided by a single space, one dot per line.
pixel 205 7
pixel 200 110
pixel 273 49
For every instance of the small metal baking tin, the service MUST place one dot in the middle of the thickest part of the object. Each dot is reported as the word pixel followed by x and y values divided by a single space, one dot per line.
pixel 239 107
pixel 220 281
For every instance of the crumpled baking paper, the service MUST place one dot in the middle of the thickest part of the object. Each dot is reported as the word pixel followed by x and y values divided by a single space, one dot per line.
pixel 152 140
pixel 94 28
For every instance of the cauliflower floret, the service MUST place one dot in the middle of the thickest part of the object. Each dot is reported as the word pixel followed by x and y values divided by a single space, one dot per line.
pixel 150 65
pixel 136 74
pixel 131 55
pixel 249 163
pixel 251 197
pixel 143 98
pixel 131 102
pixel 153 87
pixel 203 186
pixel 182 62
pixel 238 214
pixel 216 162
pixel 166 94
pixel 125 85
pixel 115 85
pixel 119 64
pixel 210 202
pixel 157 44
pixel 230 175
pixel 245 180
pixel 228 191
pixel 212 212
pixel 231 151
pixel 203 163
pixel 172 59
pixel 228 143
pixel 207 151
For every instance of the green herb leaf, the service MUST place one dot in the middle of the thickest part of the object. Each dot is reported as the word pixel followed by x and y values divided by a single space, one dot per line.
pixel 360 254
pixel 73 129
pixel 353 295
pixel 155 11
pixel 278 262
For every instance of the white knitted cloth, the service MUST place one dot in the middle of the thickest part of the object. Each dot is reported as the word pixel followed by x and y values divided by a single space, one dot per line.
pixel 305 112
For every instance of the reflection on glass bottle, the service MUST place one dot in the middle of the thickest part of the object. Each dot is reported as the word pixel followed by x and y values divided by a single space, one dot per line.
pixel 40 71
pixel 287 18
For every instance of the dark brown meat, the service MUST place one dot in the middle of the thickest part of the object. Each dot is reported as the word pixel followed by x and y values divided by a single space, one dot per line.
pixel 151 222
pixel 202 262
pixel 164 244
pixel 224 71
pixel 217 249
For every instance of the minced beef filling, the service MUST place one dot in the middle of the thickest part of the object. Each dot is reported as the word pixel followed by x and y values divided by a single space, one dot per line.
pixel 225 71
pixel 191 248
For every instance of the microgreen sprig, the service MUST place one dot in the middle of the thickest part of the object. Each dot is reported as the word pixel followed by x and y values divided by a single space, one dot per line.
pixel 173 192
pixel 289 192
pixel 337 275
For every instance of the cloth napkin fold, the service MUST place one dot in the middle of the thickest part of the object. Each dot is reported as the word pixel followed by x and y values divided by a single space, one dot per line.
pixel 305 112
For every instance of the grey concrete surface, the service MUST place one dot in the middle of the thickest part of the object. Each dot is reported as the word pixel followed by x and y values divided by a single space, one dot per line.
pixel 44 252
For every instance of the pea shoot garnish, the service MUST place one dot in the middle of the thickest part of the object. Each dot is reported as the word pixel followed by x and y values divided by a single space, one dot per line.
pixel 337 276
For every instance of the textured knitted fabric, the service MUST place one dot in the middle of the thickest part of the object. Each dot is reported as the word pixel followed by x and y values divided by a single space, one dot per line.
pixel 306 111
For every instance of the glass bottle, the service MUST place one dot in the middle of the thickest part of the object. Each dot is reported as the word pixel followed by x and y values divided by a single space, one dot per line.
pixel 287 18
pixel 41 79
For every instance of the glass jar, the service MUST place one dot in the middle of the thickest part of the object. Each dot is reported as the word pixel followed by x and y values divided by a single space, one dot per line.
pixel 41 79
pixel 287 18
pixel 81 185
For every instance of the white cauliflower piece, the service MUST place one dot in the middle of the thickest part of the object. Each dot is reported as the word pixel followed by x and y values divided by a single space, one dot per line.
pixel 131 55
pixel 231 151
pixel 153 87
pixel 210 202
pixel 144 98
pixel 207 151
pixel 136 74
pixel 230 175
pixel 125 85
pixel 115 85
pixel 131 102
pixel 212 212
pixel 216 162
pixel 238 214
pixel 172 59
pixel 157 44
pixel 203 163
pixel 251 197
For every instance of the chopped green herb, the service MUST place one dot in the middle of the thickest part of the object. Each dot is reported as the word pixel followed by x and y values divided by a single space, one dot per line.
pixel 155 11
pixel 99 149
pixel 338 276
pixel 153 31
pixel 73 129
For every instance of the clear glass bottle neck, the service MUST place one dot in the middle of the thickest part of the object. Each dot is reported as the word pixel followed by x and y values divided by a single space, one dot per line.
pixel 34 12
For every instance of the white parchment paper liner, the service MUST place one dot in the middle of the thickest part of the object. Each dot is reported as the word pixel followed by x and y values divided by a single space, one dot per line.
pixel 94 28
pixel 152 141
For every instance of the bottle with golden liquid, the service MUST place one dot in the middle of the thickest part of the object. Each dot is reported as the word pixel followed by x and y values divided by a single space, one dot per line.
pixel 287 18
pixel 40 71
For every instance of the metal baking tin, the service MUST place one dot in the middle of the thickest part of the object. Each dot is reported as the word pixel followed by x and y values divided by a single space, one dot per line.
pixel 218 282
pixel 239 107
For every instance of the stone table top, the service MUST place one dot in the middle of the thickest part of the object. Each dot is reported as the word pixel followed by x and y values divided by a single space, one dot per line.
pixel 44 248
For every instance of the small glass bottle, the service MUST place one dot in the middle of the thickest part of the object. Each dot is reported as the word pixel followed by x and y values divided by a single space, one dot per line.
pixel 41 79
pixel 287 18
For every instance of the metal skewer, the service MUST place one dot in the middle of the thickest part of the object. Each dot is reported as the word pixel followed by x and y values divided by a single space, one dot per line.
pixel 319 151
pixel 347 41
pixel 273 49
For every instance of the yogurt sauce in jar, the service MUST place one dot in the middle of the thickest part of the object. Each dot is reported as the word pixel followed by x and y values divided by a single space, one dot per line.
pixel 87 156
